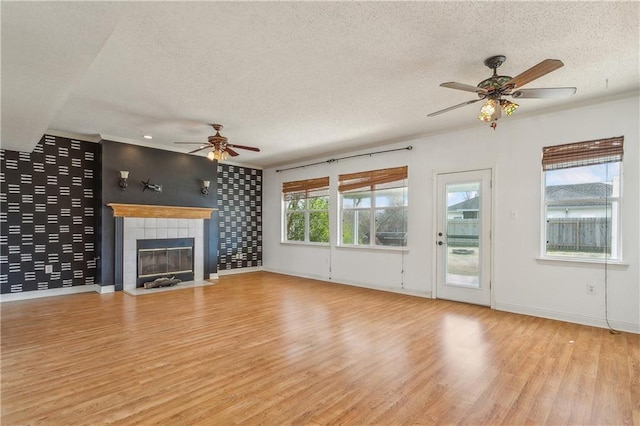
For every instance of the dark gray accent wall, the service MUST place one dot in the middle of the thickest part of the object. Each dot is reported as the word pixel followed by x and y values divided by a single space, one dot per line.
pixel 48 215
pixel 181 177
pixel 240 217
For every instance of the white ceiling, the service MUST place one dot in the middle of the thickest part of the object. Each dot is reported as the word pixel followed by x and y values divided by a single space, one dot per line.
pixel 297 79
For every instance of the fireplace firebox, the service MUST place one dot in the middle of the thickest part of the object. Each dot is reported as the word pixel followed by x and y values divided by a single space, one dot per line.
pixel 168 257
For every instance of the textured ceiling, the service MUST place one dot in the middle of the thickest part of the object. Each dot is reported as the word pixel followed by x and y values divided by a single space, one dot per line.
pixel 297 79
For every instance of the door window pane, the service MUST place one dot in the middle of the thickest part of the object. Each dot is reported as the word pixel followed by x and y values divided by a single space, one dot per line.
pixel 463 231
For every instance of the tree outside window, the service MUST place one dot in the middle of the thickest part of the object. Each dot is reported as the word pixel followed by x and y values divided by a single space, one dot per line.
pixel 306 211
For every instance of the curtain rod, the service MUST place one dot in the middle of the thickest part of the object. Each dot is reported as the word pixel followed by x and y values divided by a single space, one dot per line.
pixel 335 160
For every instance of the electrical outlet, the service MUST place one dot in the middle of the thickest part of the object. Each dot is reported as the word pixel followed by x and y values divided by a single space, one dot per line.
pixel 591 288
pixel 48 269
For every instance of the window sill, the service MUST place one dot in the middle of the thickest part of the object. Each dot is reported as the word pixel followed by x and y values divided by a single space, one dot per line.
pixel 304 243
pixel 392 249
pixel 586 263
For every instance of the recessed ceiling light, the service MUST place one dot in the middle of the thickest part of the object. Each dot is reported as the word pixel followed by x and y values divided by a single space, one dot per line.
pixel 147 137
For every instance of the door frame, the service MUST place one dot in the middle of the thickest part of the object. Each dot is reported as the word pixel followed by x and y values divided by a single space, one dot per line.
pixel 432 238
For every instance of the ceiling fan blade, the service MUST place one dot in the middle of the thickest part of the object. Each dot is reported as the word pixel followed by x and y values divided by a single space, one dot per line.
pixel 199 149
pixel 550 92
pixel 454 107
pixel 189 143
pixel 536 71
pixel 250 148
pixel 462 86
pixel 231 152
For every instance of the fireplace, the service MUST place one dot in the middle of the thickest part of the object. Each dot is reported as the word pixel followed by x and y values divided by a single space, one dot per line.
pixel 136 222
pixel 170 257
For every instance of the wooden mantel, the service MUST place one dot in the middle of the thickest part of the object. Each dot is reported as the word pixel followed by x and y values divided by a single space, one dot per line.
pixel 143 210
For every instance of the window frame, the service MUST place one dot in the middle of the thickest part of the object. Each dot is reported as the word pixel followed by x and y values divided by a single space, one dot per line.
pixel 613 203
pixel 309 189
pixel 377 181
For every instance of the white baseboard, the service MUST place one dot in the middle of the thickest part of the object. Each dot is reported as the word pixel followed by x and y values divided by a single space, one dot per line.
pixel 295 274
pixel 405 291
pixel 562 316
pixel 222 272
pixel 10 297
pixel 213 276
pixel 104 289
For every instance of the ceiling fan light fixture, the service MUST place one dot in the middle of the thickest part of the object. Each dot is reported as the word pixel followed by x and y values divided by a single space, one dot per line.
pixel 508 107
pixel 488 110
pixel 492 89
pixel 220 155
pixel 219 147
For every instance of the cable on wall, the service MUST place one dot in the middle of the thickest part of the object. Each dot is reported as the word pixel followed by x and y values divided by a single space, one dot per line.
pixel 334 160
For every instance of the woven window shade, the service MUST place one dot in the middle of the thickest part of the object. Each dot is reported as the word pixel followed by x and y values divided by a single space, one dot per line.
pixel 307 188
pixel 352 181
pixel 579 154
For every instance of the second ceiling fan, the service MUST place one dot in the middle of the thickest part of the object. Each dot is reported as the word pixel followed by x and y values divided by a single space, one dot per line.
pixel 495 88
pixel 221 149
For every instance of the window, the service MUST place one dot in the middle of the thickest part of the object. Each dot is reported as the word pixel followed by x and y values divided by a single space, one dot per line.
pixel 582 199
pixel 373 207
pixel 306 210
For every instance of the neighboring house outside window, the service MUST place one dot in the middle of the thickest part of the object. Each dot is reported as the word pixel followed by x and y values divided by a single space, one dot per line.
pixel 467 209
pixel 373 207
pixel 306 211
pixel 462 221
pixel 582 199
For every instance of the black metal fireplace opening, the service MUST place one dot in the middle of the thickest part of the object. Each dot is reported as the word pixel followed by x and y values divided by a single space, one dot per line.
pixel 167 257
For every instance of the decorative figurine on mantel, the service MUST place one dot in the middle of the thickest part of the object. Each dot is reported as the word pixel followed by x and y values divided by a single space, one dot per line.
pixel 151 186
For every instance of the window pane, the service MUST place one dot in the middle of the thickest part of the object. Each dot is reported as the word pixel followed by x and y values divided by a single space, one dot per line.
pixel 356 199
pixel 582 211
pixel 348 220
pixel 391 227
pixel 295 226
pixel 319 227
pixel 391 197
pixel 296 202
pixel 583 182
pixel 588 234
pixel 363 222
pixel 319 203
pixel 355 227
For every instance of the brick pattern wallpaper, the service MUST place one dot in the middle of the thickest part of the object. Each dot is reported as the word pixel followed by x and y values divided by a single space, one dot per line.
pixel 240 217
pixel 48 215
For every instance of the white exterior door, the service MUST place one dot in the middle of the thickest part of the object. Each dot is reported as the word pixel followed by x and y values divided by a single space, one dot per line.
pixel 463 237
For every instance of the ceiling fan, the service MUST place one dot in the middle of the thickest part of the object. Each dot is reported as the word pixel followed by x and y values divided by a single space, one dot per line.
pixel 221 149
pixel 493 89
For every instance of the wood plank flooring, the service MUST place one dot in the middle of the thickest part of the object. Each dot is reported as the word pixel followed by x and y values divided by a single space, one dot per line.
pixel 270 349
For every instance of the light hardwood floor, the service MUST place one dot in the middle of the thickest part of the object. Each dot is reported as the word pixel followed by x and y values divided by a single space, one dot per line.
pixel 263 348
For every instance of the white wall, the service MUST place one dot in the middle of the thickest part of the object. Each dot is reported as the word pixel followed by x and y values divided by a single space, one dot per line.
pixel 520 282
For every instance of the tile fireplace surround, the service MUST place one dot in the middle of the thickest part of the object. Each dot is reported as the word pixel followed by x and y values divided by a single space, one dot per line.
pixel 140 222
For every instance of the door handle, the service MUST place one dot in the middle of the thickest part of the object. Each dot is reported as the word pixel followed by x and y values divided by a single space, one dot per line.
pixel 440 243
